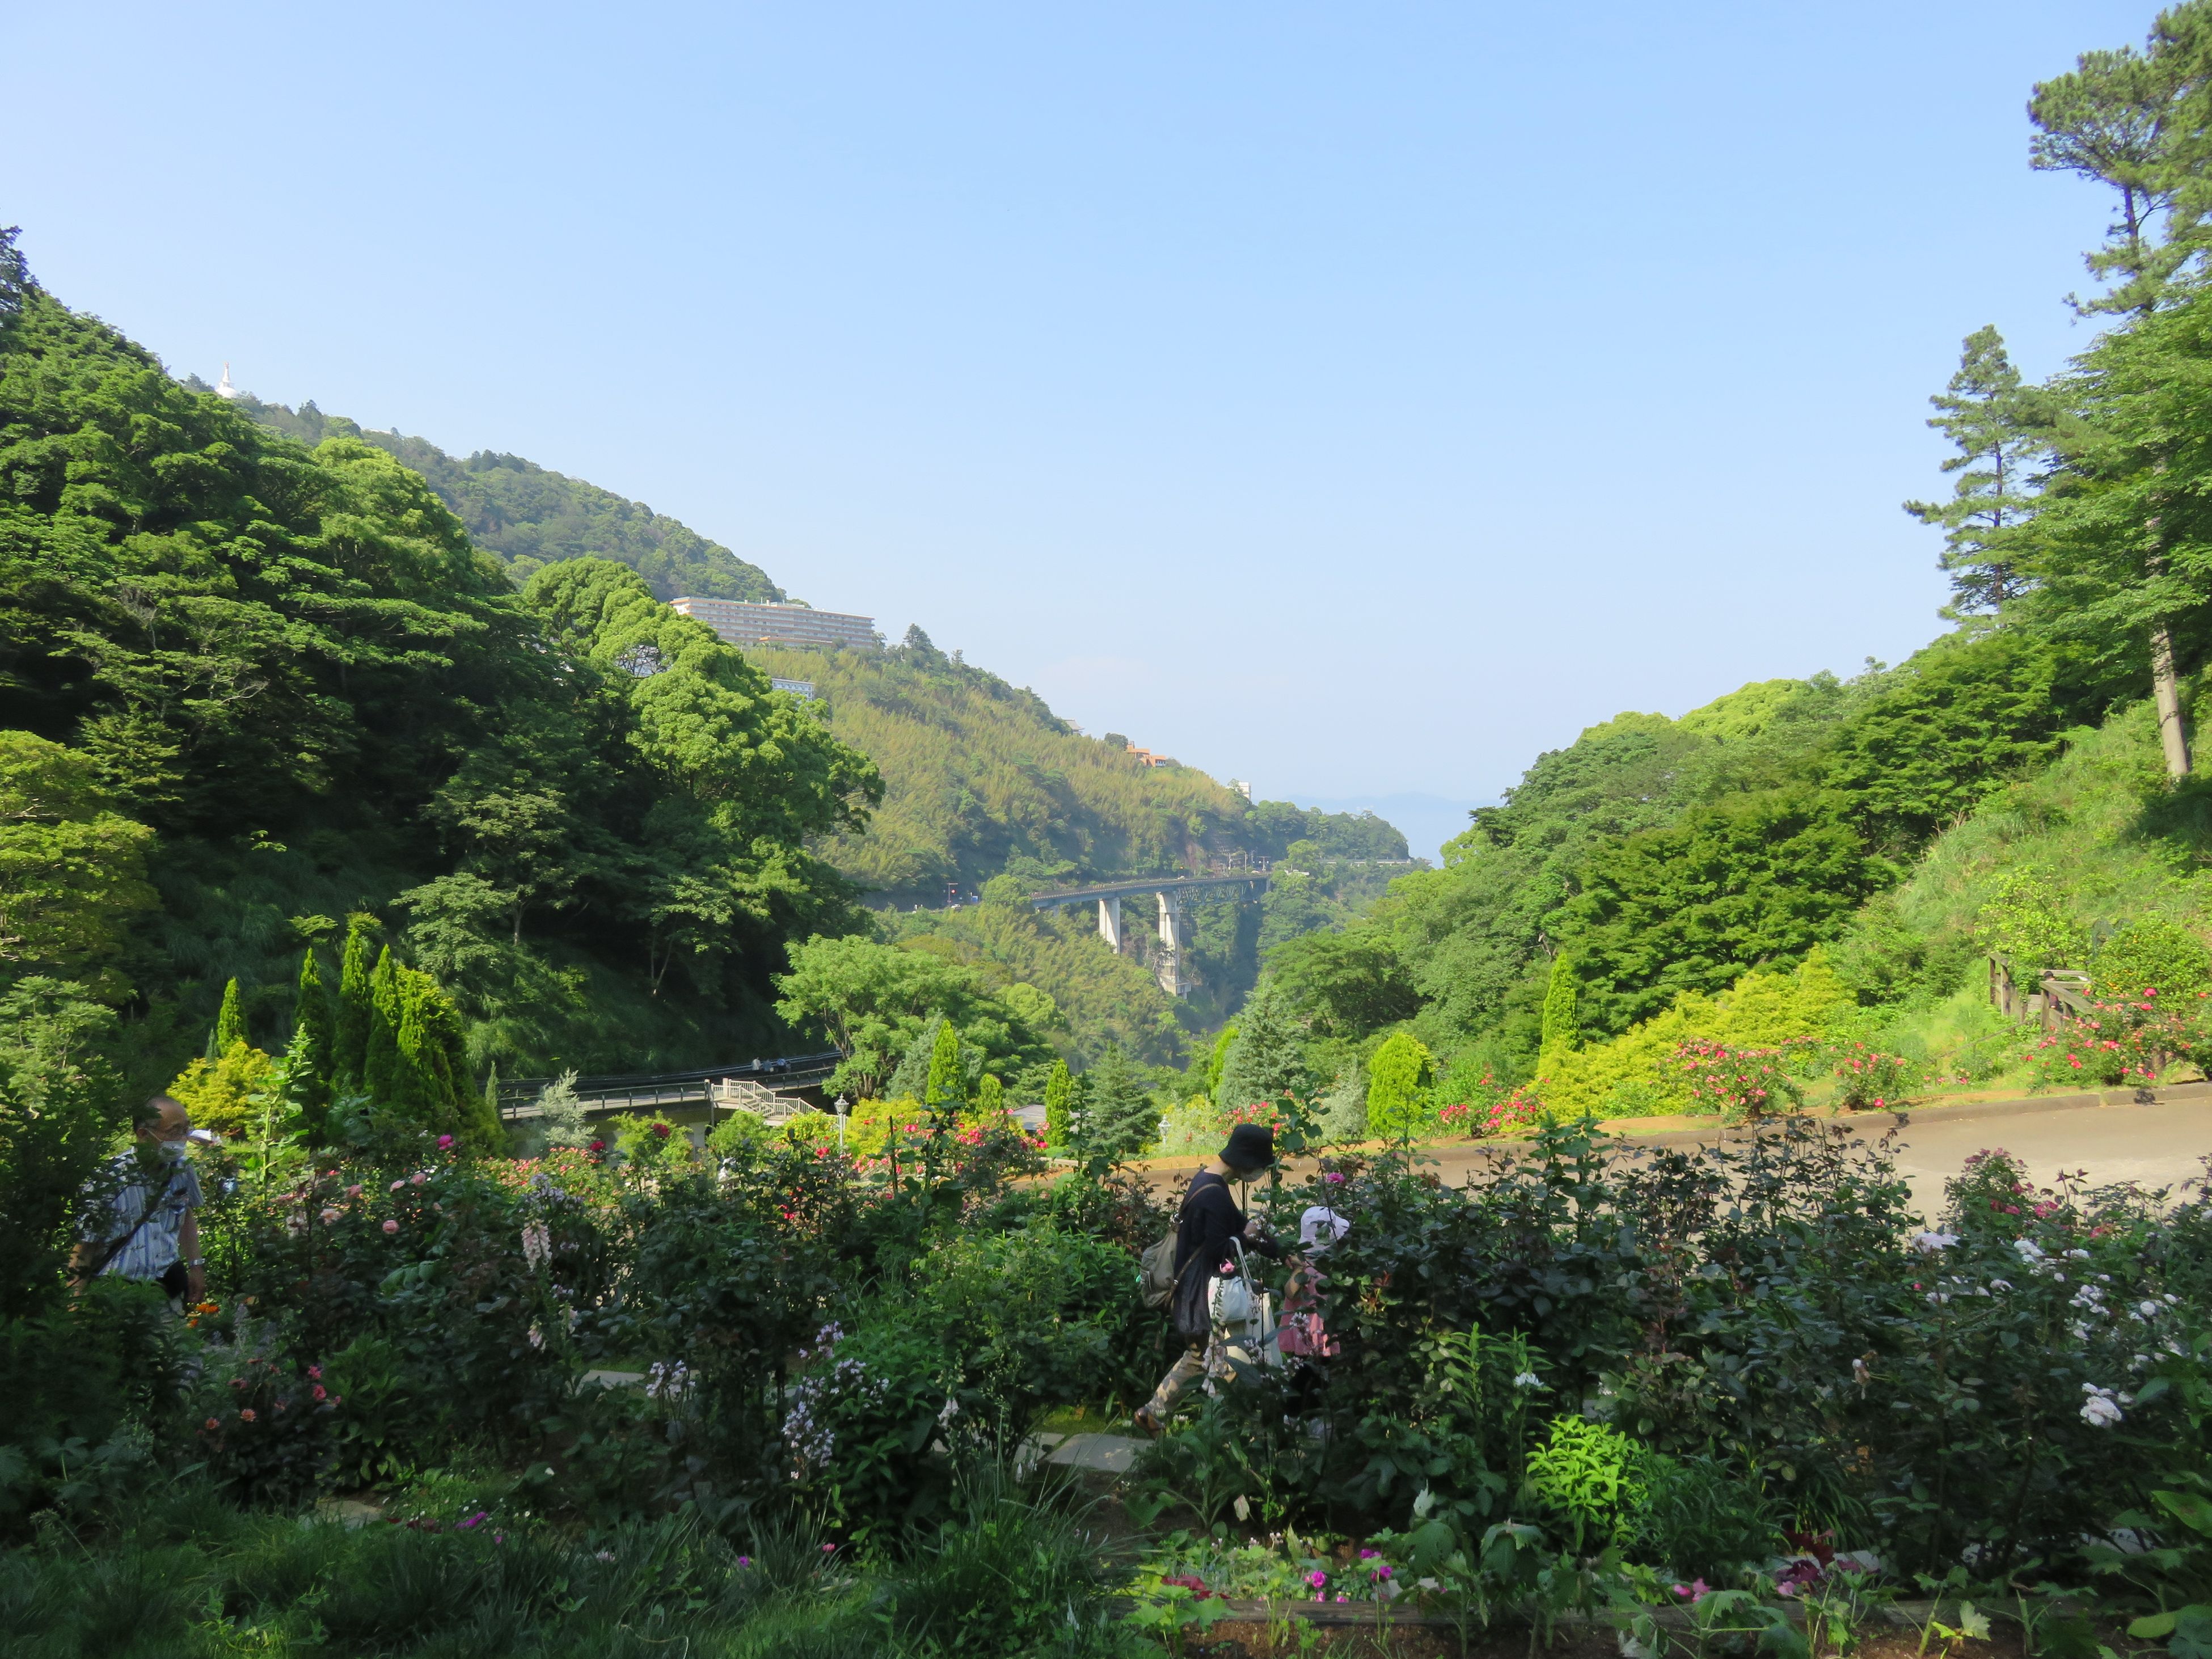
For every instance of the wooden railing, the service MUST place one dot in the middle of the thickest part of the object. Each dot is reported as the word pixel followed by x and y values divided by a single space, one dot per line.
pixel 2062 993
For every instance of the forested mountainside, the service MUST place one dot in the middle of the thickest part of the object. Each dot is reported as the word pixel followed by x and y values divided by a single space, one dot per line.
pixel 251 689
pixel 983 779
pixel 2027 779
pixel 1656 856
pixel 529 518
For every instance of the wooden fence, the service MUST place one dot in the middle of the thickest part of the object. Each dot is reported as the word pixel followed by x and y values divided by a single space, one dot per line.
pixel 2063 993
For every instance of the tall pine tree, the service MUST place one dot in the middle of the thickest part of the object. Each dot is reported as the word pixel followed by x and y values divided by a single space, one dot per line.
pixel 2002 429
pixel 2122 551
pixel 2123 117
pixel 1269 1059
pixel 1120 1116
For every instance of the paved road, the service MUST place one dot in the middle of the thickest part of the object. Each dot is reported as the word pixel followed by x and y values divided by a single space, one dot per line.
pixel 2157 1145
pixel 2160 1145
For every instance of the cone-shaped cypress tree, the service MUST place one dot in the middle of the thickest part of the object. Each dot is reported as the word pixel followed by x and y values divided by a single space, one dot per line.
pixel 1562 1030
pixel 229 1020
pixel 380 1060
pixel 944 1088
pixel 350 1034
pixel 1059 1096
pixel 311 1051
pixel 419 1088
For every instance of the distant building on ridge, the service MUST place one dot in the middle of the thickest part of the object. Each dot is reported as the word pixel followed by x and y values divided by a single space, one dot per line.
pixel 224 389
pixel 743 622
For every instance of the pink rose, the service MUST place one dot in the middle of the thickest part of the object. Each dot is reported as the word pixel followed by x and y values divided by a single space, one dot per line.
pixel 391 1226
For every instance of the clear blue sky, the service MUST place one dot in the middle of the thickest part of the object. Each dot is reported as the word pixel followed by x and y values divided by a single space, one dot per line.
pixel 1355 399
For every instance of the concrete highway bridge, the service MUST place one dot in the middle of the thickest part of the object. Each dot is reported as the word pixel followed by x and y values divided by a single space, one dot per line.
pixel 1167 891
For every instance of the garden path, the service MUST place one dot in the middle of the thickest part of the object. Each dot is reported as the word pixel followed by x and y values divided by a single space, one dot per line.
pixel 2159 1143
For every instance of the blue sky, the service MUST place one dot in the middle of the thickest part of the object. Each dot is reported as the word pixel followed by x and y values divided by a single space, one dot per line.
pixel 1356 400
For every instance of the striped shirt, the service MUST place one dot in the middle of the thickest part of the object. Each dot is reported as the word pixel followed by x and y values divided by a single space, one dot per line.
pixel 119 1195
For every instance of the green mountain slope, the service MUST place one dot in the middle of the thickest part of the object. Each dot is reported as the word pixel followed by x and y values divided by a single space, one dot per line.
pixel 1654 857
pixel 981 778
pixel 529 518
pixel 257 688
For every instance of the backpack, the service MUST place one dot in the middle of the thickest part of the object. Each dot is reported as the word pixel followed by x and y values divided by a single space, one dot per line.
pixel 1158 1265
pixel 1157 1262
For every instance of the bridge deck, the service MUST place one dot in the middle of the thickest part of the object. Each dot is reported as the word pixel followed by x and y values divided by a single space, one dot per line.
pixel 518 1098
pixel 1152 885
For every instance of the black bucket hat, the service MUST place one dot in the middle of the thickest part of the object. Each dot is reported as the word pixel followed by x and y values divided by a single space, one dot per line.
pixel 1251 1147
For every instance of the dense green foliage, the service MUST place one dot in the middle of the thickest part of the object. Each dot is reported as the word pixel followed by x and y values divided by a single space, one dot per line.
pixel 528 517
pixel 982 778
pixel 1662 856
pixel 283 684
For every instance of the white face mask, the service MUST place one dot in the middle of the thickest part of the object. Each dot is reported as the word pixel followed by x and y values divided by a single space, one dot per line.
pixel 174 1150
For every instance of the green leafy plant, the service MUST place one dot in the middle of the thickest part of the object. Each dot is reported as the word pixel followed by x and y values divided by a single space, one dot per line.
pixel 1595 1477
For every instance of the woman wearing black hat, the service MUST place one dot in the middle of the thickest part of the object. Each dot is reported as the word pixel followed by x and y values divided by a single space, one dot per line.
pixel 1208 1220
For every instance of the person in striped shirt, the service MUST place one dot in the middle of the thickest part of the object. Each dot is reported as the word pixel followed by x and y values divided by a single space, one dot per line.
pixel 143 1219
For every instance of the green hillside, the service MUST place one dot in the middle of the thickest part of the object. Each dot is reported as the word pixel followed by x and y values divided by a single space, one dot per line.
pixel 528 518
pixel 982 778
pixel 253 688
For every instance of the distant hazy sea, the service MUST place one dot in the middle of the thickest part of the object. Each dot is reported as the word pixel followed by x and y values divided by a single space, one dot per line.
pixel 1429 821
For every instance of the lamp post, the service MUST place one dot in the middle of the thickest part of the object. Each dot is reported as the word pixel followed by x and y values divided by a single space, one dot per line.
pixel 842 1108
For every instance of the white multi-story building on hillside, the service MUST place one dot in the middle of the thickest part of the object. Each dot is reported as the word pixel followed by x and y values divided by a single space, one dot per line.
pixel 742 623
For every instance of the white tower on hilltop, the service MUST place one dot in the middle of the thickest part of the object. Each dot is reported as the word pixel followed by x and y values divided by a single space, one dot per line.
pixel 224 388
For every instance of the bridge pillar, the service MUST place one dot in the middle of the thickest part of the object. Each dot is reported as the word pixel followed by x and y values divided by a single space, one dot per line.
pixel 1170 966
pixel 1109 923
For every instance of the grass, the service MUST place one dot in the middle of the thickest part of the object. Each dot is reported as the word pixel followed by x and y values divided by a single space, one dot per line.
pixel 182 1575
pixel 2101 823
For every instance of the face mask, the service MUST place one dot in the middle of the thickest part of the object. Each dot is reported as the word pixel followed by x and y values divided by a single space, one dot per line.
pixel 174 1150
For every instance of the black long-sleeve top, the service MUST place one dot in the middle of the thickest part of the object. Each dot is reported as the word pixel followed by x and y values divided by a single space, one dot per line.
pixel 1209 1219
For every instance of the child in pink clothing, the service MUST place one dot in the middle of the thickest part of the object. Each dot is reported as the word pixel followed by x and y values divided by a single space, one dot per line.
pixel 1304 1334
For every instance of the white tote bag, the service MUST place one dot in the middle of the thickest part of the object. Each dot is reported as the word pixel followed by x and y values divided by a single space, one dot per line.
pixel 1244 1318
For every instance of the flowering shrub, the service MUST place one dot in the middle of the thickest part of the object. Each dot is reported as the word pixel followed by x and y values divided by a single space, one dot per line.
pixel 857 1431
pixel 1737 1083
pixel 1733 1312
pixel 1868 1078
pixel 262 1423
pixel 1493 1109
pixel 2129 1040
pixel 1039 1317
